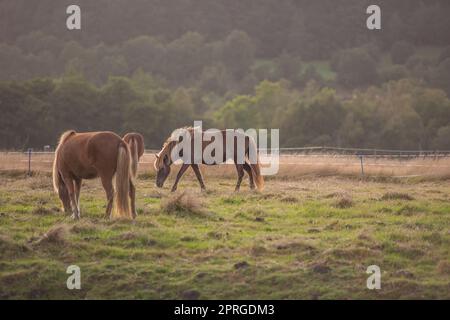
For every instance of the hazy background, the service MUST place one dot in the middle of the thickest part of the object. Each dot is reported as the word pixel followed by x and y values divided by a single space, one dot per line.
pixel 310 68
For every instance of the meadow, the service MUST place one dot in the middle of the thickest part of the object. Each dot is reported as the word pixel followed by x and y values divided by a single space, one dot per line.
pixel 303 237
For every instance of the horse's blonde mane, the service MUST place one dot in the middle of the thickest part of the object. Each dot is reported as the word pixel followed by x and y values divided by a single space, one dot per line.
pixel 65 135
pixel 61 140
pixel 168 145
pixel 166 149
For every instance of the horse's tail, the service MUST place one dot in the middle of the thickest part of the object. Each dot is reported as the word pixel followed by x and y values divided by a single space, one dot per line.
pixel 56 176
pixel 55 173
pixel 136 143
pixel 121 208
pixel 134 156
pixel 256 172
pixel 256 167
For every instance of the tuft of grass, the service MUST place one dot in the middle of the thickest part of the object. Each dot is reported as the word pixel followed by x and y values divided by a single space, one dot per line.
pixel 42 211
pixel 9 246
pixel 183 203
pixel 190 295
pixel 148 175
pixel 56 235
pixel 289 199
pixel 320 268
pixel 258 250
pixel 343 201
pixel 396 196
pixel 241 265
pixel 84 227
pixel 408 210
pixel 443 267
pixel 15 174
pixel 289 245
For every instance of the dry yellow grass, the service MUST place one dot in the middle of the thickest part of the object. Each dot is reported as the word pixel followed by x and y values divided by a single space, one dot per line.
pixel 351 166
pixel 291 166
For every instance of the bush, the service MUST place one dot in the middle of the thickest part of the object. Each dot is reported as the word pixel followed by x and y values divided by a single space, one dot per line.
pixel 445 54
pixel 393 73
pixel 442 140
pixel 401 51
pixel 355 67
pixel 441 75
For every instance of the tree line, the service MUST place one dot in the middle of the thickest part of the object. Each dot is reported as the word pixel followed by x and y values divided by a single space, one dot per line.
pixel 229 46
pixel 309 68
pixel 311 29
pixel 402 114
pixel 228 66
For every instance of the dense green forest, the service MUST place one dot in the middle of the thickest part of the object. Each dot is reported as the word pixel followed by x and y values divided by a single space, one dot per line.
pixel 310 68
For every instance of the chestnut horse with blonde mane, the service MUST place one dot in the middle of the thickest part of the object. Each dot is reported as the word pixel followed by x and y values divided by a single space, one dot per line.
pixel 164 159
pixel 90 155
pixel 136 143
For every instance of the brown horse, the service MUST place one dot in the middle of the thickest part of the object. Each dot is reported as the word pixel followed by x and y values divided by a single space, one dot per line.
pixel 164 160
pixel 90 155
pixel 136 143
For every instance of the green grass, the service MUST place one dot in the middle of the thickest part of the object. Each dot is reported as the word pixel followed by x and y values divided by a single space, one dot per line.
pixel 295 240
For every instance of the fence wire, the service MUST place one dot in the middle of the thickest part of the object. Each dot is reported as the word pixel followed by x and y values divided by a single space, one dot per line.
pixel 307 157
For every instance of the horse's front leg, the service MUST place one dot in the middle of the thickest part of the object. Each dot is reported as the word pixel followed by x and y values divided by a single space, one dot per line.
pixel 199 176
pixel 63 194
pixel 240 172
pixel 183 169
pixel 248 169
pixel 68 181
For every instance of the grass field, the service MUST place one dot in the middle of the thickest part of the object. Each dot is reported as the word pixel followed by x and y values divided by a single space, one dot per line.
pixel 305 238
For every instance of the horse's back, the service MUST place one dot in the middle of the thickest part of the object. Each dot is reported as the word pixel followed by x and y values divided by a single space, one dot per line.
pixel 103 149
pixel 87 153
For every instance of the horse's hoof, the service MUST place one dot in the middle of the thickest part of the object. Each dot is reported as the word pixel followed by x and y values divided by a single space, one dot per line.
pixel 75 217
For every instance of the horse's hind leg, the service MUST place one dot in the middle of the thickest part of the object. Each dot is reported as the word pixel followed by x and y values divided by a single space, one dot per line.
pixel 109 189
pixel 248 169
pixel 77 192
pixel 133 199
pixel 240 171
pixel 198 174
pixel 63 194
pixel 68 181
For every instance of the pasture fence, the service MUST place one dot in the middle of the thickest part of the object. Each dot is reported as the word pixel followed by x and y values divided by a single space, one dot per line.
pixel 360 161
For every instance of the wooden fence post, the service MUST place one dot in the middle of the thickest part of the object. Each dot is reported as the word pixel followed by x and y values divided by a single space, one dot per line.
pixel 362 165
pixel 29 161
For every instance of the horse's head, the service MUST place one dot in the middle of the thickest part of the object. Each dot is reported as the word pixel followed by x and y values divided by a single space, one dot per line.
pixel 166 156
pixel 162 167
